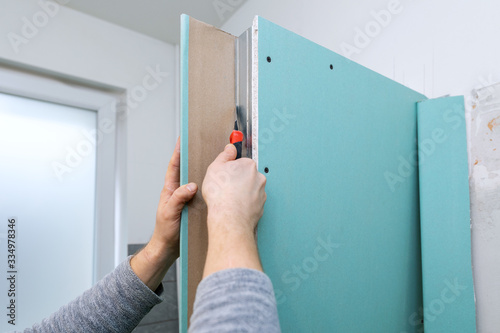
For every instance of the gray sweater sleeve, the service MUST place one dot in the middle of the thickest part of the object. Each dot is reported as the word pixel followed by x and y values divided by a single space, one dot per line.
pixel 235 300
pixel 117 303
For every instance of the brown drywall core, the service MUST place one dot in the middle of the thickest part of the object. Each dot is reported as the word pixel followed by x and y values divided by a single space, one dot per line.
pixel 211 117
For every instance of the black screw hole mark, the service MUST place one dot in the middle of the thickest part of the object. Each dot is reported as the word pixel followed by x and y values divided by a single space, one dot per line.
pixel 268 59
pixel 266 170
pixel 331 67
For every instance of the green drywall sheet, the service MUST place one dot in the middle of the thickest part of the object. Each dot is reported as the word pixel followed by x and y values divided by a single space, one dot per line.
pixel 340 235
pixel 184 92
pixel 445 217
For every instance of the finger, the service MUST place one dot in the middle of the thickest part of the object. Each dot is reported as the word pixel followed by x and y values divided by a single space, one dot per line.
pixel 172 178
pixel 178 199
pixel 228 154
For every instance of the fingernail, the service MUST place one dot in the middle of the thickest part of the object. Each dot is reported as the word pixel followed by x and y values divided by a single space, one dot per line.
pixel 191 187
pixel 178 145
pixel 228 146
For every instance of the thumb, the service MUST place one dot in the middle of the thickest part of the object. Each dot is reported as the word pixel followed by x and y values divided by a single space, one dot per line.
pixel 228 154
pixel 179 198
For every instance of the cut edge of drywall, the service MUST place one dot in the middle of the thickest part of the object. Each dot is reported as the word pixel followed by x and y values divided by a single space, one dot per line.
pixel 255 90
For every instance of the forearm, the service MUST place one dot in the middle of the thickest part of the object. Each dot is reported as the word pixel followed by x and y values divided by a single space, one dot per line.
pixel 152 263
pixel 235 295
pixel 117 303
pixel 229 248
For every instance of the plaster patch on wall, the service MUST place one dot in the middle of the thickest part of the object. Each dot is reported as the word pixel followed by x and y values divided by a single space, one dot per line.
pixel 484 141
pixel 485 152
pixel 485 202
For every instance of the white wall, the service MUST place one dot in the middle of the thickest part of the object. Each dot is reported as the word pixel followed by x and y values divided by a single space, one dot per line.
pixel 435 47
pixel 87 49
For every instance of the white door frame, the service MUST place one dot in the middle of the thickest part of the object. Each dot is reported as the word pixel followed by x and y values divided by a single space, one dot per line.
pixel 110 245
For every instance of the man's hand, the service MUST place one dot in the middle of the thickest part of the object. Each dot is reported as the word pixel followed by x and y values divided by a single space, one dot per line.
pixel 234 192
pixel 152 262
pixel 168 216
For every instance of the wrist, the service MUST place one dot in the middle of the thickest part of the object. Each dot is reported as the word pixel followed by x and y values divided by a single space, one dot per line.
pixel 231 244
pixel 151 264
pixel 230 226
pixel 158 253
pixel 231 250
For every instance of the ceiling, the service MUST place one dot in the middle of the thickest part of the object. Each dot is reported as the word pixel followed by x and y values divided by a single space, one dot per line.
pixel 159 19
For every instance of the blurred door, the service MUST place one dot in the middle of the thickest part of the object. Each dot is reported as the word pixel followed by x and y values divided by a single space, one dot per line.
pixel 47 207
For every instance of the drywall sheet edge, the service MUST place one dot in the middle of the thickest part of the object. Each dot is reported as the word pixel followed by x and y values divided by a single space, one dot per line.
pixel 207 113
pixel 448 290
pixel 184 89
